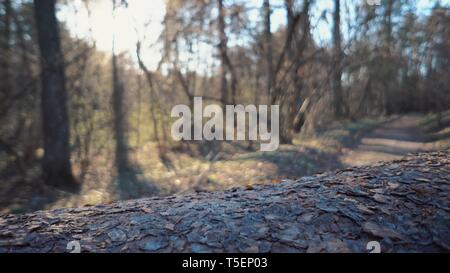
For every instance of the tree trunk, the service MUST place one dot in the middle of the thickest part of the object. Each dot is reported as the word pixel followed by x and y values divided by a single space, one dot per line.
pixel 295 47
pixel 387 56
pixel 287 99
pixel 122 161
pixel 153 101
pixel 56 162
pixel 268 48
pixel 225 60
pixel 5 56
pixel 337 61
pixel 119 120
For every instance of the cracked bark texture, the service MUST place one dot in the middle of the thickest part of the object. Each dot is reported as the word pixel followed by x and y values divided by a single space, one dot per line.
pixel 402 204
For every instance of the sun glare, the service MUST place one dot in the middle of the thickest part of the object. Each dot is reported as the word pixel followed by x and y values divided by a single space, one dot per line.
pixel 141 20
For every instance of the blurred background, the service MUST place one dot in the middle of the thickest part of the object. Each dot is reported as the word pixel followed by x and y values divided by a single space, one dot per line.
pixel 87 86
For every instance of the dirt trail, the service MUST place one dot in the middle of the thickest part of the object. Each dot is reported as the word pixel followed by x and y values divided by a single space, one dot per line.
pixel 391 140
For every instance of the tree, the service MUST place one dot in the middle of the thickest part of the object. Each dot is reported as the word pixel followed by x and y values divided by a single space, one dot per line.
pixel 122 161
pixel 268 48
pixel 287 87
pixel 5 56
pixel 56 162
pixel 337 61
pixel 390 69
pixel 225 59
pixel 154 100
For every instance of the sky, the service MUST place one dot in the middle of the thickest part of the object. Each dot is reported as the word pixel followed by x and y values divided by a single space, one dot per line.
pixel 142 20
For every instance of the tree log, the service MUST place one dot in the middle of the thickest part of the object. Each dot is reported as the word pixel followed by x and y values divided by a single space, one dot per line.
pixel 402 204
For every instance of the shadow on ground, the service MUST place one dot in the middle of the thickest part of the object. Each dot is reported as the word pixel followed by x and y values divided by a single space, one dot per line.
pixel 131 183
pixel 293 162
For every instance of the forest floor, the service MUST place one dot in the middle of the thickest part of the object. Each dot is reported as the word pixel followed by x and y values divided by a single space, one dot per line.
pixel 340 146
pixel 391 140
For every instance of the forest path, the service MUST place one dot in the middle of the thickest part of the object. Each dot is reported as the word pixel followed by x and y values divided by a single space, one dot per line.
pixel 389 141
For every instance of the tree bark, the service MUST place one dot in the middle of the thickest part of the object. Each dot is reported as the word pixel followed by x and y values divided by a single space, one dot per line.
pixel 122 160
pixel 56 162
pixel 226 64
pixel 294 49
pixel 387 18
pixel 154 101
pixel 337 61
pixel 338 211
pixel 268 47
pixel 5 55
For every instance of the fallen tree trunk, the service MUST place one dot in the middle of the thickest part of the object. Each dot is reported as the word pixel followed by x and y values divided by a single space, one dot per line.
pixel 403 205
